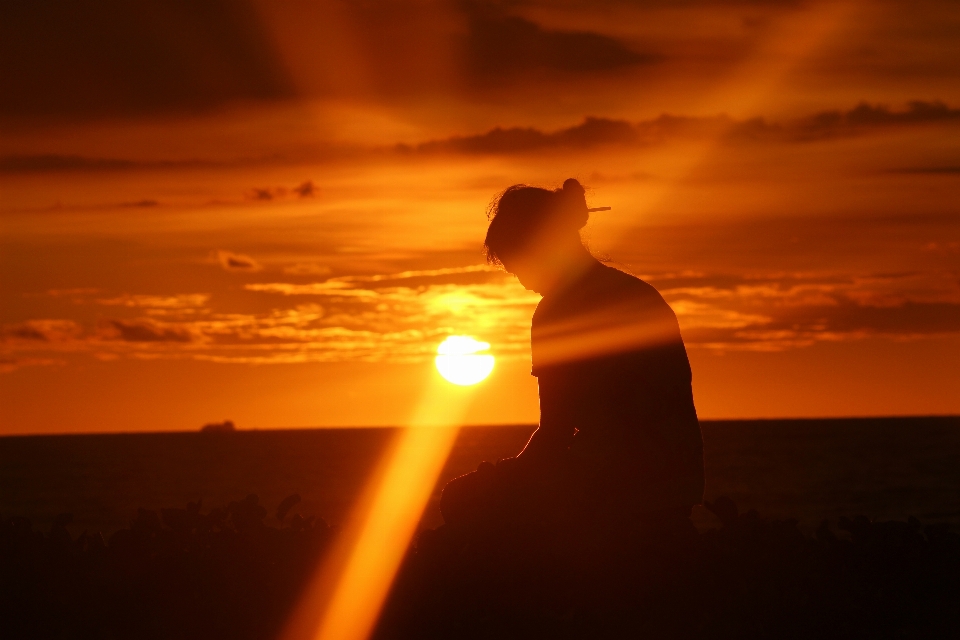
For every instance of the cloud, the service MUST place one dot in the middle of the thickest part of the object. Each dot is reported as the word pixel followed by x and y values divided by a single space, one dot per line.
pixel 237 261
pixel 261 194
pixel 179 301
pixel 75 292
pixel 499 46
pixel 716 311
pixel 789 311
pixel 402 316
pixel 942 247
pixel 50 331
pixel 52 162
pixel 64 58
pixel 400 323
pixel 866 117
pixel 40 163
pixel 591 132
pixel 145 330
pixel 305 189
pixel 929 170
pixel 342 286
pixel 34 342
pixel 598 132
pixel 338 289
pixel 11 364
pixel 374 320
pixel 307 269
pixel 385 323
pixel 140 203
pixel 445 273
pixel 907 319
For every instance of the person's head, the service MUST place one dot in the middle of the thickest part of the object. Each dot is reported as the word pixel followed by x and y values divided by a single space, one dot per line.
pixel 534 233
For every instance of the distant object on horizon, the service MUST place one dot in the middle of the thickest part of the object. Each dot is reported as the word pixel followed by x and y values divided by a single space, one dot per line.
pixel 226 426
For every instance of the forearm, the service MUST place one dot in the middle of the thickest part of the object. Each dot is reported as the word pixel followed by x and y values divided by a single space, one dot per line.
pixel 545 443
pixel 559 410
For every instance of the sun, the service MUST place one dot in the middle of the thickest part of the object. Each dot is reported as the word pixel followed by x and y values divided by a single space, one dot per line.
pixel 459 362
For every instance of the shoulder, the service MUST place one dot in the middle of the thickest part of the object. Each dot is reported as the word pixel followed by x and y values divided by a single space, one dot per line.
pixel 620 284
pixel 605 295
pixel 607 312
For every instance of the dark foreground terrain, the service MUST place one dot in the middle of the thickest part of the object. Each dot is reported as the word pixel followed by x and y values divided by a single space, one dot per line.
pixel 884 468
pixel 229 573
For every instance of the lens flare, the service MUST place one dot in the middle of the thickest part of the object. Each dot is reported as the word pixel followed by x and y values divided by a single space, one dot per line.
pixel 459 362
pixel 344 599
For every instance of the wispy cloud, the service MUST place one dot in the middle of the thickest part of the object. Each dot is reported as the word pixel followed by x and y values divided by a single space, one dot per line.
pixel 10 364
pixel 500 46
pixel 786 311
pixel 402 316
pixel 344 285
pixel 146 330
pixel 866 117
pixel 76 292
pixel 336 289
pixel 43 330
pixel 307 269
pixel 236 261
pixel 175 302
pixel 201 56
pixel 598 131
pixel 423 273
pixel 593 132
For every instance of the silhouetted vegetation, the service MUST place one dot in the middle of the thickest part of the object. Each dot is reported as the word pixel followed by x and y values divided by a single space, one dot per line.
pixel 179 573
pixel 236 573
pixel 749 578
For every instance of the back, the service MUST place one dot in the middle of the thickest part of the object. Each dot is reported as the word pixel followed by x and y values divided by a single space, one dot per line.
pixel 610 362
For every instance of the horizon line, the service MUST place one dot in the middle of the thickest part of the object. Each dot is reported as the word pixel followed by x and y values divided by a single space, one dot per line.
pixel 505 425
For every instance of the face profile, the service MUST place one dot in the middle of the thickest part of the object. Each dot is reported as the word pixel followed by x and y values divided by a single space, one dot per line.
pixel 539 269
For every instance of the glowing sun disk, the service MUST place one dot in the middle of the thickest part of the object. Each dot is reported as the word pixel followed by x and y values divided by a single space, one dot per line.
pixel 459 362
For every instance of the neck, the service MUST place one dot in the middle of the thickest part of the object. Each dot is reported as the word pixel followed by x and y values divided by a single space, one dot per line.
pixel 577 263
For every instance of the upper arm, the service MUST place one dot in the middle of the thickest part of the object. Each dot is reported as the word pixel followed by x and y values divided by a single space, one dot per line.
pixel 561 403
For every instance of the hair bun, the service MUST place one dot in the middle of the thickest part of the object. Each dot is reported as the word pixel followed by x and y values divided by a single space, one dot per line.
pixel 574 207
pixel 573 186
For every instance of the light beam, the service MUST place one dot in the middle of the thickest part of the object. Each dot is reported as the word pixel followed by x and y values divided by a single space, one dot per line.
pixel 344 600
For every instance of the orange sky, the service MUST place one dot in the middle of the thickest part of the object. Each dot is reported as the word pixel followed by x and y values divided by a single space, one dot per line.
pixel 272 212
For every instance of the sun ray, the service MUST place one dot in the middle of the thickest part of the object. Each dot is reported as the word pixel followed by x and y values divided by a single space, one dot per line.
pixel 345 598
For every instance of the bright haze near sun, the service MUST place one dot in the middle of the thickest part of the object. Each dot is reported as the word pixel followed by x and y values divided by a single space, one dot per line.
pixel 274 212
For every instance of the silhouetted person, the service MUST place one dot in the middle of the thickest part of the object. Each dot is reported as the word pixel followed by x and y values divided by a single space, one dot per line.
pixel 618 429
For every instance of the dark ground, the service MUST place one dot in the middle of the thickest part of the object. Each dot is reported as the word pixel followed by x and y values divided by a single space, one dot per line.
pixel 226 573
pixel 884 468
pixel 236 571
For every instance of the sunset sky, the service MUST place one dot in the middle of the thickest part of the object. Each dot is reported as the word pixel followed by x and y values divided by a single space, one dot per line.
pixel 273 212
